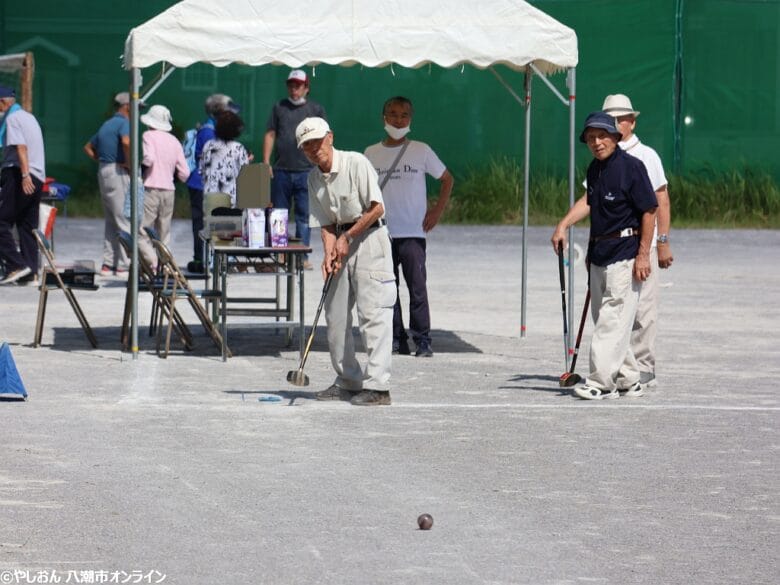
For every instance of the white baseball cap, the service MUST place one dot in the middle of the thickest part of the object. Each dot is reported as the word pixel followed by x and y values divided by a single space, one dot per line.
pixel 618 105
pixel 311 129
pixel 298 75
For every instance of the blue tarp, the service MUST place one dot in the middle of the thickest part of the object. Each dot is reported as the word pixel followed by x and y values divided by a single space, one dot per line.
pixel 11 385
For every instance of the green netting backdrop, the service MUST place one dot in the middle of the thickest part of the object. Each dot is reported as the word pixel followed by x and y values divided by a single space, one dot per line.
pixel 704 74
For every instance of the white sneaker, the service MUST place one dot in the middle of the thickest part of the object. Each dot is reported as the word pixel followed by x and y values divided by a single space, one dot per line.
pixel 590 393
pixel 12 277
pixel 634 392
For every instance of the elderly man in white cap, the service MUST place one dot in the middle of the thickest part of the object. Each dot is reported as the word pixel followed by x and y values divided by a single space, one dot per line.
pixel 345 201
pixel 290 168
pixel 645 327
pixel 163 158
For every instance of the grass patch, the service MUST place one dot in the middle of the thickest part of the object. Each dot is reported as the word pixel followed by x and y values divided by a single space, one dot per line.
pixel 736 198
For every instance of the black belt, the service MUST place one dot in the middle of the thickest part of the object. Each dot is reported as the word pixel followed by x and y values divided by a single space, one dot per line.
pixel 342 227
pixel 626 233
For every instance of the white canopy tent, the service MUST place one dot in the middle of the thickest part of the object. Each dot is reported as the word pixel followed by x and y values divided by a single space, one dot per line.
pixel 372 33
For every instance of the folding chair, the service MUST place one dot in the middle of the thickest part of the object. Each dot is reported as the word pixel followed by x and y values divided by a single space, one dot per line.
pixel 176 285
pixel 56 282
pixel 152 283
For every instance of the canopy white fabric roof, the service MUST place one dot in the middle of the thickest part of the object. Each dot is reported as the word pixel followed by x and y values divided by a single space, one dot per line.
pixel 373 33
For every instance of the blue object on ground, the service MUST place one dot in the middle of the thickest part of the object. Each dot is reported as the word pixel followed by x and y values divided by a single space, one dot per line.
pixel 270 399
pixel 11 385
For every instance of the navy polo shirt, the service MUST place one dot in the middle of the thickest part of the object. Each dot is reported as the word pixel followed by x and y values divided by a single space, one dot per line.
pixel 619 193
pixel 108 140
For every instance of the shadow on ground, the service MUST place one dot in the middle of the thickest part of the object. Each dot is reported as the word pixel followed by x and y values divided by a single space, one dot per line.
pixel 243 340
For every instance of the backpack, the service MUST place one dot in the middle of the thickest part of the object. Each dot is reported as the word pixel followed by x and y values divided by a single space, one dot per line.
pixel 190 139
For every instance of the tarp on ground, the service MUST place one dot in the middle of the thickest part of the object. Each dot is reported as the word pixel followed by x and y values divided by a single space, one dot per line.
pixel 11 385
pixel 373 33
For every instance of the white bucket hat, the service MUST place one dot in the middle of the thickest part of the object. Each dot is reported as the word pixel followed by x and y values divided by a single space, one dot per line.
pixel 158 117
pixel 619 105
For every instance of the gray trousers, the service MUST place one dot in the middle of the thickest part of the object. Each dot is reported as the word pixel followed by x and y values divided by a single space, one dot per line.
pixel 366 283
pixel 646 320
pixel 114 182
pixel 614 296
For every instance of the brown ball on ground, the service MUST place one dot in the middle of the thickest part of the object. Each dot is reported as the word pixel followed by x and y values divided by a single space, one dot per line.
pixel 425 521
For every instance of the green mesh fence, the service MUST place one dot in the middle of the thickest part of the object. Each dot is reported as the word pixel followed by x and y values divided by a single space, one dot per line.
pixel 704 74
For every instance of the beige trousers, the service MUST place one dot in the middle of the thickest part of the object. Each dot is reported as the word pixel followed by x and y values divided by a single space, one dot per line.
pixel 158 212
pixel 614 296
pixel 646 320
pixel 366 283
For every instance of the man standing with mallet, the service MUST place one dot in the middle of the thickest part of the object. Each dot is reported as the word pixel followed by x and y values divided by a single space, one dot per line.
pixel 346 203
pixel 622 206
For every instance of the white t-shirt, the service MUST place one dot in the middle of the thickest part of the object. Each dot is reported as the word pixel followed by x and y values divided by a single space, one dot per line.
pixel 405 195
pixel 655 169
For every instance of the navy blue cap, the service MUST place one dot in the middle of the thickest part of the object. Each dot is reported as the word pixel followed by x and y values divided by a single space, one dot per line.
pixel 600 120
pixel 6 92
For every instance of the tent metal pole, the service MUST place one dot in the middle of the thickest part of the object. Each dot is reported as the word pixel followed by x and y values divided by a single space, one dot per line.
pixel 571 82
pixel 526 181
pixel 135 83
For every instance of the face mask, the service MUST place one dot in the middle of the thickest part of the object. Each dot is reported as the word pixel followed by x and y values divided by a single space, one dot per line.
pixel 298 102
pixel 397 133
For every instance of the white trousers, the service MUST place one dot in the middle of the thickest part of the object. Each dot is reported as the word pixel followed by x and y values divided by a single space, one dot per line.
pixel 114 182
pixel 366 282
pixel 646 320
pixel 614 298
pixel 158 212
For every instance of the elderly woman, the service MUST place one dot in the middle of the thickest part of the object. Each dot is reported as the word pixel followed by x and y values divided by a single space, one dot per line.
pixel 223 157
pixel 163 157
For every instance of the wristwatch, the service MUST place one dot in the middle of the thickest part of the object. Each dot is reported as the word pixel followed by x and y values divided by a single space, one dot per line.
pixel 349 238
pixel 663 238
pixel 25 175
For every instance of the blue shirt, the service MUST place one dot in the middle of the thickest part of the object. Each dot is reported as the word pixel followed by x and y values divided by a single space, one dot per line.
pixel 619 193
pixel 205 133
pixel 108 140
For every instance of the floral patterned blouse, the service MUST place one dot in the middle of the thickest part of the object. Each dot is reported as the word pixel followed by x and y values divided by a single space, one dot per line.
pixel 219 166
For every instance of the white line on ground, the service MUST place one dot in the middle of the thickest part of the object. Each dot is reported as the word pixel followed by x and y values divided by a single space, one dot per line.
pixel 594 404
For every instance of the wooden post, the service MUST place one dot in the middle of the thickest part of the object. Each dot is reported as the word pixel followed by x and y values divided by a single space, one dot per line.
pixel 26 81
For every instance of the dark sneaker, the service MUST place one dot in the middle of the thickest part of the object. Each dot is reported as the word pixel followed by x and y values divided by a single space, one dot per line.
pixel 195 266
pixel 29 280
pixel 401 346
pixel 371 398
pixel 334 393
pixel 648 381
pixel 18 274
pixel 424 350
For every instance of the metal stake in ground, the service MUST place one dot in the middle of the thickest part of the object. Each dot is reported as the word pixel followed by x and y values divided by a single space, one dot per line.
pixel 563 304
pixel 297 377
pixel 570 378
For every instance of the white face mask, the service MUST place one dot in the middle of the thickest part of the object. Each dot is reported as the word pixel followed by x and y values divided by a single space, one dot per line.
pixel 298 102
pixel 397 133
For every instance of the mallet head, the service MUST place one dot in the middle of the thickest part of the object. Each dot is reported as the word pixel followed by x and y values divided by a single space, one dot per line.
pixel 297 378
pixel 569 379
